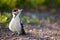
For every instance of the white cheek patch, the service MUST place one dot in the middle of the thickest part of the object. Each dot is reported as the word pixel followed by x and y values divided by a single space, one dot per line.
pixel 14 14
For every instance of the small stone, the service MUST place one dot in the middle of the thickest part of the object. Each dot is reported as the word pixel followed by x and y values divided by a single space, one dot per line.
pixel 52 37
pixel 40 30
pixel 30 30
pixel 46 36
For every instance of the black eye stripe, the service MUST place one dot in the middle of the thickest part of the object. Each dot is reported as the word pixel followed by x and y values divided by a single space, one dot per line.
pixel 15 10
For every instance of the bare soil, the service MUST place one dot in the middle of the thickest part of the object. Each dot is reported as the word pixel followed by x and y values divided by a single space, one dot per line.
pixel 48 32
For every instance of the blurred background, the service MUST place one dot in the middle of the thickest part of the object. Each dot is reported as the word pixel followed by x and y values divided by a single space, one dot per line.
pixel 41 19
pixel 35 12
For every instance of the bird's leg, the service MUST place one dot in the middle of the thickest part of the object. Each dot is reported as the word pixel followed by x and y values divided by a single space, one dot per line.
pixel 22 32
pixel 18 33
pixel 14 33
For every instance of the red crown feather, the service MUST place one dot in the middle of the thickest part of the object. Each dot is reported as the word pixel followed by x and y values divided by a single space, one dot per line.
pixel 16 8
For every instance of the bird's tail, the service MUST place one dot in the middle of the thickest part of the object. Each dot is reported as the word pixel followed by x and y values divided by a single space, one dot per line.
pixel 22 30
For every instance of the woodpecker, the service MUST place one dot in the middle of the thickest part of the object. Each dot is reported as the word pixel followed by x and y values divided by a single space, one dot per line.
pixel 15 25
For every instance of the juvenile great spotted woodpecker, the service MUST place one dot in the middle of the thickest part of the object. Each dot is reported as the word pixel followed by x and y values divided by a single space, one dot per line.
pixel 15 24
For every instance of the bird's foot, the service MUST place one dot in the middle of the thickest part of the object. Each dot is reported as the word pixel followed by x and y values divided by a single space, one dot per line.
pixel 22 34
pixel 13 34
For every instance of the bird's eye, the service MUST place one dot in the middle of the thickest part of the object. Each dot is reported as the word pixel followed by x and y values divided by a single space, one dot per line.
pixel 14 10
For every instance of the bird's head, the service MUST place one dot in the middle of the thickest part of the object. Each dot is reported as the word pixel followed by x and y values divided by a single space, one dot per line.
pixel 16 11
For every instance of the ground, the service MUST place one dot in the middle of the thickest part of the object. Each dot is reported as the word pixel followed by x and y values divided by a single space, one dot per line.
pixel 48 32
pixel 43 31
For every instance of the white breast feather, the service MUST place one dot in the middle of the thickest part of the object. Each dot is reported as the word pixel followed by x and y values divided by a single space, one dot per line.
pixel 15 24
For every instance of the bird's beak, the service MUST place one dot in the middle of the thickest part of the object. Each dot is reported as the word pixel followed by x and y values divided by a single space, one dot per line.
pixel 20 10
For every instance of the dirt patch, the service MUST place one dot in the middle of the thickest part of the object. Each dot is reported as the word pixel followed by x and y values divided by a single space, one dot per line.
pixel 32 34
